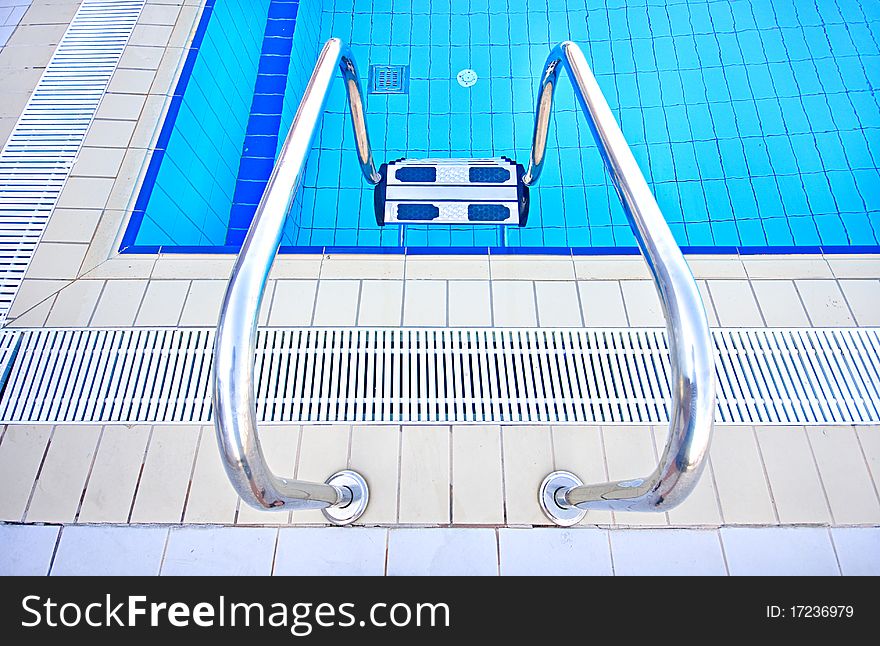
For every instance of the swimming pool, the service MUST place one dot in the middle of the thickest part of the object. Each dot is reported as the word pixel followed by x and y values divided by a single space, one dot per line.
pixel 756 124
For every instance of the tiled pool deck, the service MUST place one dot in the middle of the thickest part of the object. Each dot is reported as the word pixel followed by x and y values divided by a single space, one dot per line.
pixel 810 494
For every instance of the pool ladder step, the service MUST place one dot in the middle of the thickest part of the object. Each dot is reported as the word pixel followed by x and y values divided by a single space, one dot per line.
pixel 479 191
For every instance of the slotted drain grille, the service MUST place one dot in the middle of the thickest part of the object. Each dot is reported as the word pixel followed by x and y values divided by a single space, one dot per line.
pixel 45 142
pixel 442 376
pixel 389 79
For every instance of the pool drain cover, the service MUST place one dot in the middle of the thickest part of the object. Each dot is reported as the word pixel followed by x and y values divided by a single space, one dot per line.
pixel 466 78
pixel 389 79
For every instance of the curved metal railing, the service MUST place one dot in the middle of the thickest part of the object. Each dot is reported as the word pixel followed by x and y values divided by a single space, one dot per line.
pixel 563 496
pixel 344 496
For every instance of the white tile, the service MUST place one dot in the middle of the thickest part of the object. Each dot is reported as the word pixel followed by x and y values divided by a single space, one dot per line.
pixel 739 476
pixel 558 304
pixel 611 268
pixel 780 303
pixel 531 267
pixel 708 305
pixel 869 439
pixel 791 267
pixel 337 302
pixel 667 552
pixel 216 551
pixel 554 552
pixel 378 267
pixel 513 303
pixel 109 551
pixel 794 481
pixel 442 552
pixel 735 303
pixel 381 303
pixel 602 303
pixel 60 485
pixel 844 475
pixel 331 551
pixel 293 302
pixel 166 475
pixel 477 496
pixel 779 551
pixel 863 297
pixel 424 475
pixel 21 453
pixel 75 304
pixel 447 267
pixel 825 303
pixel 858 550
pixel 111 487
pixel 27 549
pixel 470 303
pixel 424 303
pixel 855 266
pixel 642 303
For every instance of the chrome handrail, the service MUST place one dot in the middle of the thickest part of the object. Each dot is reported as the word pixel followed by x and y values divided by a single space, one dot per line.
pixel 344 496
pixel 563 496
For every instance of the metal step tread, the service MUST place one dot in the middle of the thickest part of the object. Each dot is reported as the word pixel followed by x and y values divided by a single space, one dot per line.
pixel 453 191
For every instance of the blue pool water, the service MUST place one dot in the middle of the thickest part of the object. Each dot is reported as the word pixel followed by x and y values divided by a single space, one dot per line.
pixel 756 123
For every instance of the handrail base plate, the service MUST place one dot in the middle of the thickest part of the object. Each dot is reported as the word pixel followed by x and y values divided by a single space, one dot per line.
pixel 360 497
pixel 562 516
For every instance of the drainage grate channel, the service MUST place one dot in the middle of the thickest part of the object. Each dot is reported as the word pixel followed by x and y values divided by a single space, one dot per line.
pixel 389 79
pixel 37 158
pixel 558 376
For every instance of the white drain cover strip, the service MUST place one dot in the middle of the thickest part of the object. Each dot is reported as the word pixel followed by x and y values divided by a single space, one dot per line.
pixel 457 376
pixel 45 142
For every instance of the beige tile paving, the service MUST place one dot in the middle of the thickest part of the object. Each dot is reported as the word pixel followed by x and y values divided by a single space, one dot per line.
pixel 293 303
pixel 735 303
pixel 337 302
pixel 75 304
pixel 844 475
pixel 60 483
pixel 323 451
pixel 381 303
pixel 21 453
pixel 165 479
pixel 115 474
pixel 701 506
pixel 162 303
pixel 211 497
pixel 119 303
pixel 558 304
pixel 528 458
pixel 425 475
pixel 739 476
pixel 477 495
pixel 424 303
pixel 280 446
pixel 863 297
pixel 794 479
pixel 825 303
pixel 375 454
pixel 470 303
pixel 579 449
pixel 602 303
pixel 780 303
pixel 642 303
pixel 513 303
pixel 629 453
pixel 202 305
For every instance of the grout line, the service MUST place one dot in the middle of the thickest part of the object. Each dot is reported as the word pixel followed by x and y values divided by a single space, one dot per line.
pixel 89 474
pixel 766 475
pixel 191 474
pixel 867 464
pixel 55 550
pixel 164 550
pixel 723 551
pixel 806 433
pixel 275 551
pixel 834 549
pixel 38 474
pixel 137 483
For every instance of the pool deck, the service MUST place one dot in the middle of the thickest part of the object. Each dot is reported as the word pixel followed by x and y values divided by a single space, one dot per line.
pixel 805 496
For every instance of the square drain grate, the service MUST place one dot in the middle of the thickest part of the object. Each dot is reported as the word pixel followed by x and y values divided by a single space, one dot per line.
pixel 389 79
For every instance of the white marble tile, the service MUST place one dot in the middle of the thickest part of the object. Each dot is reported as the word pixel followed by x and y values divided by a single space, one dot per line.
pixel 331 551
pixel 764 551
pixel 666 552
pixel 858 550
pixel 26 549
pixel 109 551
pixel 213 551
pixel 442 552
pixel 554 552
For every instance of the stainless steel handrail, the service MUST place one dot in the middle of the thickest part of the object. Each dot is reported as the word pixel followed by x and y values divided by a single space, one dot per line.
pixel 345 495
pixel 563 496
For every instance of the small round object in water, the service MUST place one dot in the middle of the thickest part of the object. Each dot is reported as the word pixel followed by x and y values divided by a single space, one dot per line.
pixel 467 78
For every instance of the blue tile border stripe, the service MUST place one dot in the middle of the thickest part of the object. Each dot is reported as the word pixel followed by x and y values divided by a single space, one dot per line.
pixel 149 183
pixel 264 123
